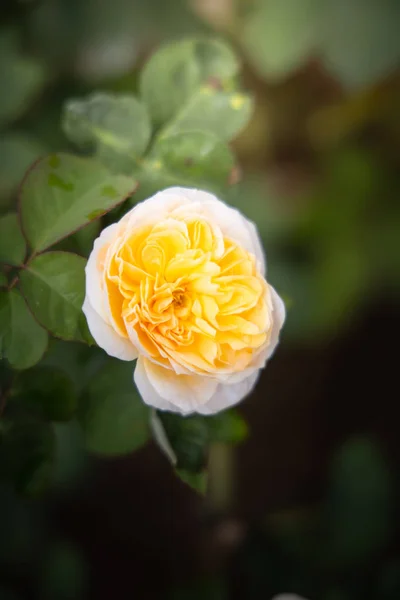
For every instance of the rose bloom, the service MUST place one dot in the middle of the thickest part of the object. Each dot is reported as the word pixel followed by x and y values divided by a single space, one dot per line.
pixel 179 283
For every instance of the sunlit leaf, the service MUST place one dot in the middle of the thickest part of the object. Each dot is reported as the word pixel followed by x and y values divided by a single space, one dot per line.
pixel 210 109
pixel 109 124
pixel 62 193
pixel 194 158
pixel 176 71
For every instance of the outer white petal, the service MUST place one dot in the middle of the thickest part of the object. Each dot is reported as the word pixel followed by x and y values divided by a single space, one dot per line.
pixel 155 208
pixel 227 395
pixel 185 392
pixel 279 316
pixel 146 390
pixel 231 222
pixel 106 337
pixel 94 278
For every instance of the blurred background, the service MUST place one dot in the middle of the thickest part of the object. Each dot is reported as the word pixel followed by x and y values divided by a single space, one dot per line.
pixel 309 502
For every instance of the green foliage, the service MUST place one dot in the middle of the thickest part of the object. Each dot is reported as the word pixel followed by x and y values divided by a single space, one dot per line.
pixel 48 392
pixel 108 124
pixel 54 287
pixel 12 242
pixel 280 36
pixel 185 441
pixel 175 74
pixel 189 90
pixel 113 417
pixel 371 32
pixel 224 113
pixel 197 481
pixel 62 193
pixel 26 452
pixel 22 340
pixel 17 152
pixel 193 156
pixel 21 78
pixel 358 44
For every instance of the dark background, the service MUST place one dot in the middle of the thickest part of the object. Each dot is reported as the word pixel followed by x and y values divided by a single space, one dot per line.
pixel 308 504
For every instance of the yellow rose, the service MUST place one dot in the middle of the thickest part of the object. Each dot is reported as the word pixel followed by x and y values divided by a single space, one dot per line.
pixel 179 283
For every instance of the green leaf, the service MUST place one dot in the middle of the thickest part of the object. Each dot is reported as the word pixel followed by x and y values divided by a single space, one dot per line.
pixel 185 440
pixel 3 280
pixel 197 481
pixel 54 287
pixel 27 448
pixel 113 417
pixel 197 157
pixel 17 153
pixel 222 113
pixel 177 70
pixel 188 437
pixel 110 124
pixel 228 427
pixel 12 242
pixel 48 391
pixel 79 361
pixel 22 340
pixel 279 37
pixel 351 35
pixel 21 79
pixel 62 193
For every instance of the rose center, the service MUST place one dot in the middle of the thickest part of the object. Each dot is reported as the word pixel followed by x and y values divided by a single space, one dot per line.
pixel 179 298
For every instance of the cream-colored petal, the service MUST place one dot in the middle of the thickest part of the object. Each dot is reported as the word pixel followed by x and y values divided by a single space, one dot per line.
pixel 229 394
pixel 147 391
pixel 265 352
pixel 231 222
pixel 106 337
pixel 156 208
pixel 95 289
pixel 186 392
pixel 278 316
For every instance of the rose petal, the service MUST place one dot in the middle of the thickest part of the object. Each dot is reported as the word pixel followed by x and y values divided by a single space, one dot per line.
pixel 147 391
pixel 106 337
pixel 278 315
pixel 94 274
pixel 231 222
pixel 186 392
pixel 227 395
